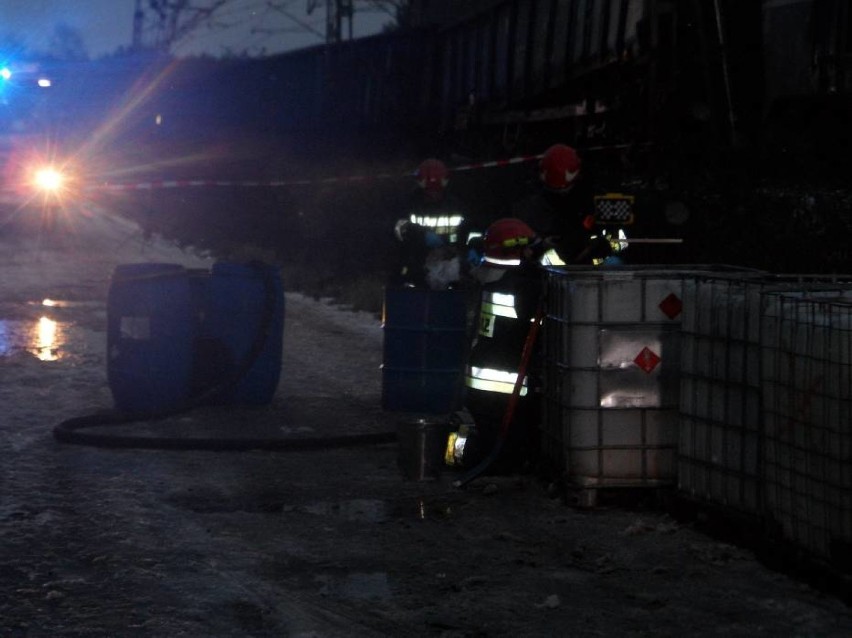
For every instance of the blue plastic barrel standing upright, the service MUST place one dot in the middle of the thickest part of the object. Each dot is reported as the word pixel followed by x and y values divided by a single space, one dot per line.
pixel 425 349
pixel 243 326
pixel 150 333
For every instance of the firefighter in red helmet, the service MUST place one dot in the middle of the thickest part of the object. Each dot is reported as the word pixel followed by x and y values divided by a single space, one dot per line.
pixel 505 242
pixel 560 168
pixel 432 234
pixel 510 298
pixel 436 207
pixel 561 210
pixel 432 176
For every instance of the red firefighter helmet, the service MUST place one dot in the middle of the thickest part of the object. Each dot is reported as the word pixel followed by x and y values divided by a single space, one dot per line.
pixel 505 240
pixel 432 176
pixel 560 167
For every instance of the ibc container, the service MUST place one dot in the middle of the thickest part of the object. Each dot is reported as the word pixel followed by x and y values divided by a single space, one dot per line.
pixel 719 448
pixel 425 346
pixel 241 340
pixel 611 375
pixel 150 333
pixel 806 382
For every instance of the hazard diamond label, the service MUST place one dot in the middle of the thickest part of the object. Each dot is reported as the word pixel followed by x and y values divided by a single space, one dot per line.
pixel 671 306
pixel 647 360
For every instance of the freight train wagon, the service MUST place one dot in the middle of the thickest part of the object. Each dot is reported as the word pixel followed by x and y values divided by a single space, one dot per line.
pixel 689 78
pixel 366 90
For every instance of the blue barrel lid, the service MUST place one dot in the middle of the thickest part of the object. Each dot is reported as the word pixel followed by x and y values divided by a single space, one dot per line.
pixel 130 271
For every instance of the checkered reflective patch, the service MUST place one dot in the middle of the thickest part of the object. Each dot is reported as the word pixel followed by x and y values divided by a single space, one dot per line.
pixel 614 208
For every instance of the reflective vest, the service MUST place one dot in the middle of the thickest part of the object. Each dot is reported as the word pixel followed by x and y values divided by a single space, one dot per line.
pixel 445 225
pixel 617 243
pixel 506 310
pixel 494 380
pixel 551 258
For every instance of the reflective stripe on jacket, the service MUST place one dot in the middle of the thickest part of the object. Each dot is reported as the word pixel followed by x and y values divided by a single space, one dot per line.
pixel 504 320
pixel 493 380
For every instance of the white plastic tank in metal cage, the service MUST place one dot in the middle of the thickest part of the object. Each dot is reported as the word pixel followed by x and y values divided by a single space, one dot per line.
pixel 721 423
pixel 806 383
pixel 611 376
pixel 720 390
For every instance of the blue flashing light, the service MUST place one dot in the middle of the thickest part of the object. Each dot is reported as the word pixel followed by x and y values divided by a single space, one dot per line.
pixel 5 73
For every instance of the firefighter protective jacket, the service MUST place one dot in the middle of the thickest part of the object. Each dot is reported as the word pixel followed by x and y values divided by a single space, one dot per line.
pixel 507 309
pixel 559 217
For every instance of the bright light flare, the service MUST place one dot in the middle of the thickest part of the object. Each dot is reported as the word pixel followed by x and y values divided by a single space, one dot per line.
pixel 46 339
pixel 49 179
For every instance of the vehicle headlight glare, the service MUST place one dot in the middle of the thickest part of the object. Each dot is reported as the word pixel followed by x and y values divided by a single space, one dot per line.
pixel 49 179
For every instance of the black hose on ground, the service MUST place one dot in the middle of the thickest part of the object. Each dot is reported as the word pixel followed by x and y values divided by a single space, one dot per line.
pixel 70 430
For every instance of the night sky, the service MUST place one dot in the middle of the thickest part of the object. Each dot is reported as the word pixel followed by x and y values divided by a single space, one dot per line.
pixel 107 25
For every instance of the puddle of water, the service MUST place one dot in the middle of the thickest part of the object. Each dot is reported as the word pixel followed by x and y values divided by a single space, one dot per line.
pixel 377 511
pixel 41 335
pixel 355 586
pixel 59 303
pixel 44 338
pixel 428 510
pixel 361 510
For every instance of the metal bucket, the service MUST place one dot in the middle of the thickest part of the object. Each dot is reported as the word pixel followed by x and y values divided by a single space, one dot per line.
pixel 421 443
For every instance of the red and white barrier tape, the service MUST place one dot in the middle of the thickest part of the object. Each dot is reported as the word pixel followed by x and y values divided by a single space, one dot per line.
pixel 498 163
pixel 201 183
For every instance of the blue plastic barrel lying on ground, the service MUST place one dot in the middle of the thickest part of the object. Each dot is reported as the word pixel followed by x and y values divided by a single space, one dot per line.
pixel 178 338
pixel 242 332
pixel 150 334
pixel 425 348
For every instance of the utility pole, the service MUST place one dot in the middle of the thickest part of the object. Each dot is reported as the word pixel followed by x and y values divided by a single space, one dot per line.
pixel 138 22
pixel 160 26
pixel 336 12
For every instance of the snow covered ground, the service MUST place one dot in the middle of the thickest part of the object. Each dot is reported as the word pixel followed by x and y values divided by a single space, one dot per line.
pixel 96 541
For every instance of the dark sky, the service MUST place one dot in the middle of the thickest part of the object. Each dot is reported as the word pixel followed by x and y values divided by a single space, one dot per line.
pixel 108 24
pixel 104 24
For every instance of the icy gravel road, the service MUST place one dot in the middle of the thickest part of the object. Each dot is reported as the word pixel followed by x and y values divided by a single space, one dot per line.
pixel 143 542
